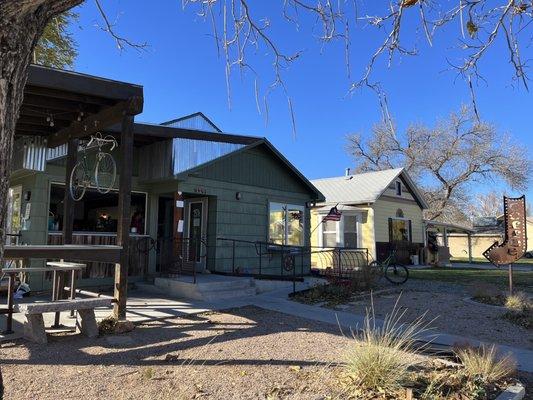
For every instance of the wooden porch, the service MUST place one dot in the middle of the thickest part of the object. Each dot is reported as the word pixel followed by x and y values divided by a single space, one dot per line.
pixel 60 108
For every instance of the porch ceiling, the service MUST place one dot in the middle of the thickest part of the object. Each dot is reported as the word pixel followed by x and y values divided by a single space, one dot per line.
pixel 60 105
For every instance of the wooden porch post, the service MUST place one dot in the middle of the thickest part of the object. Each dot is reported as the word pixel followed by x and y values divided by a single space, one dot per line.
pixel 68 203
pixel 469 247
pixel 124 217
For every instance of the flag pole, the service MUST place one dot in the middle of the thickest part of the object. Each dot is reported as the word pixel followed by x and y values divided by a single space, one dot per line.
pixel 321 222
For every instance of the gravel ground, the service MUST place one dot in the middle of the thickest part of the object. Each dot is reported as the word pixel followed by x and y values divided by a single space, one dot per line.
pixel 445 303
pixel 248 354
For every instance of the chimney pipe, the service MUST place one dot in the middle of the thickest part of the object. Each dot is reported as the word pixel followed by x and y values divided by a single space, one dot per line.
pixel 347 172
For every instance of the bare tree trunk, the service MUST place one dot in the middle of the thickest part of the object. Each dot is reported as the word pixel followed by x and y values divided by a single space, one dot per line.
pixel 18 36
pixel 21 24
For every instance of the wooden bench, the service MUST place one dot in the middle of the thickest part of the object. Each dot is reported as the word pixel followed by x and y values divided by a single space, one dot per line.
pixel 34 327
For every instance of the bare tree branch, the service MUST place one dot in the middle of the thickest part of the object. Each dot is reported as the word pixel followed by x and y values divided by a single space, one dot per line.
pixel 445 159
pixel 120 41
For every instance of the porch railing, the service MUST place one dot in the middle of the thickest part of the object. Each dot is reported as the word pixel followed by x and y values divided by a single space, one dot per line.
pixel 180 256
pixel 294 262
pixel 140 248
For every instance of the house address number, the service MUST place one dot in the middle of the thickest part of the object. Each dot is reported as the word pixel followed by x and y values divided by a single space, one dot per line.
pixel 200 190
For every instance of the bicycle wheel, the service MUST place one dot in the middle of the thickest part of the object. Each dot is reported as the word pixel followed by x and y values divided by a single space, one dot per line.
pixel 105 172
pixel 79 180
pixel 397 274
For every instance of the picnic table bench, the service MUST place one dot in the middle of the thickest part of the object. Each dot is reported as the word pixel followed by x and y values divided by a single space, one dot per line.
pixel 34 329
pixel 34 326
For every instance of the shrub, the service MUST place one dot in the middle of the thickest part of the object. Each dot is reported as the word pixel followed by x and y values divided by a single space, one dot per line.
pixel 485 364
pixel 107 325
pixel 381 358
pixel 335 293
pixel 518 302
pixel 522 318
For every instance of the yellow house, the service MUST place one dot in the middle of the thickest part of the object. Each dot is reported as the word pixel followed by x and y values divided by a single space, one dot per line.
pixel 379 211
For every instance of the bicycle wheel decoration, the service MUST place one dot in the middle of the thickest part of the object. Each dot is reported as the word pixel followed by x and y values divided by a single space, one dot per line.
pixel 397 274
pixel 79 180
pixel 105 172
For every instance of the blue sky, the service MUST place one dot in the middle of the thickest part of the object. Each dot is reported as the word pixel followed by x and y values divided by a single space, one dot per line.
pixel 182 73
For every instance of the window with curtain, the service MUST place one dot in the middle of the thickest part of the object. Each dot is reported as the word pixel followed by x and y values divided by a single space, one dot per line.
pixel 333 237
pixel 329 233
pixel 286 224
pixel 400 230
pixel 350 231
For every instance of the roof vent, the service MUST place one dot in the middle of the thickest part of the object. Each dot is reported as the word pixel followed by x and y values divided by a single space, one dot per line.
pixel 347 172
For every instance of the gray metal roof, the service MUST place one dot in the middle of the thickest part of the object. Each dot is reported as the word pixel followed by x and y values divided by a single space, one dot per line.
pixel 363 188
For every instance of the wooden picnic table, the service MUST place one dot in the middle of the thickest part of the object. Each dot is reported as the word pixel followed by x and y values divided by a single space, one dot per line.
pixel 59 270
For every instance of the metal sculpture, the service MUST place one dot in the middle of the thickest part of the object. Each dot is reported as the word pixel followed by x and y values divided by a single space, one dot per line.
pixel 515 244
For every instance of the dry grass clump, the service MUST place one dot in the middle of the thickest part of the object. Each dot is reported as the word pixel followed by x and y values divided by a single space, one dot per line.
pixel 518 302
pixel 484 363
pixel 520 310
pixel 382 357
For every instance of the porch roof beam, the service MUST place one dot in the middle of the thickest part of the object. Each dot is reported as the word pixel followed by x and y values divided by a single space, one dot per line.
pixel 97 122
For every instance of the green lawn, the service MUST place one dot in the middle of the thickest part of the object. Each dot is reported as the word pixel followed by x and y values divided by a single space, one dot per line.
pixel 522 280
pixel 483 260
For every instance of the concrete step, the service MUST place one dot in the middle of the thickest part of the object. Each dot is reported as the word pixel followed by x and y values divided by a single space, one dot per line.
pixel 228 294
pixel 218 288
pixel 230 284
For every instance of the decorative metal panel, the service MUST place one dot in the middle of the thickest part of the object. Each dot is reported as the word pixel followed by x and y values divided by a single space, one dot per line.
pixel 195 122
pixel 56 152
pixel 165 159
pixel 29 152
pixel 515 244
pixel 189 153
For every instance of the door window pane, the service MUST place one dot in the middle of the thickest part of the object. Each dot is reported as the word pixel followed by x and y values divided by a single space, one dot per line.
pixel 195 231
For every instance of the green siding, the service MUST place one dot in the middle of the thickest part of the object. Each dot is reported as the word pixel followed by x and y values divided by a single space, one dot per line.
pixel 260 179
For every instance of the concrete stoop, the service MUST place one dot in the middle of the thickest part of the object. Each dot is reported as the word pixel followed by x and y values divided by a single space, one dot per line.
pixel 207 288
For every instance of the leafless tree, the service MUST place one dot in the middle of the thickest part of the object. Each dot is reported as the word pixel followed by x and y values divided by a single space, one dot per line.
pixel 486 204
pixel 446 159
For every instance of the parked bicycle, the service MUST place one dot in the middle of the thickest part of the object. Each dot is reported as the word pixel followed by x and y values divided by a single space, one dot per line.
pixel 394 272
pixel 105 169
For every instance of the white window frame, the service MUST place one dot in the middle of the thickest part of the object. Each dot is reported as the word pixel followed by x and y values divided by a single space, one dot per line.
pixel 409 221
pixel 398 188
pixel 340 228
pixel 286 223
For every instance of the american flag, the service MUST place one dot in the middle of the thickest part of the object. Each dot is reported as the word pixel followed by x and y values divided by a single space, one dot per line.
pixel 333 215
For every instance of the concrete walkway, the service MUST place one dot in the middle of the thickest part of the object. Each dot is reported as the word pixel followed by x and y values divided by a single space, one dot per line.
pixel 145 306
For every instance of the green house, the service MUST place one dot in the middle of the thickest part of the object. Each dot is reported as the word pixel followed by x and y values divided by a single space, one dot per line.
pixel 203 201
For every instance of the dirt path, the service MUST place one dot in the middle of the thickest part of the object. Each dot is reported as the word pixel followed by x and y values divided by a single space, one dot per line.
pixel 248 354
pixel 445 303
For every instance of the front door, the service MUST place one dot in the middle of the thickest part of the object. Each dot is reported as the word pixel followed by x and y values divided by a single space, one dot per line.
pixel 196 230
